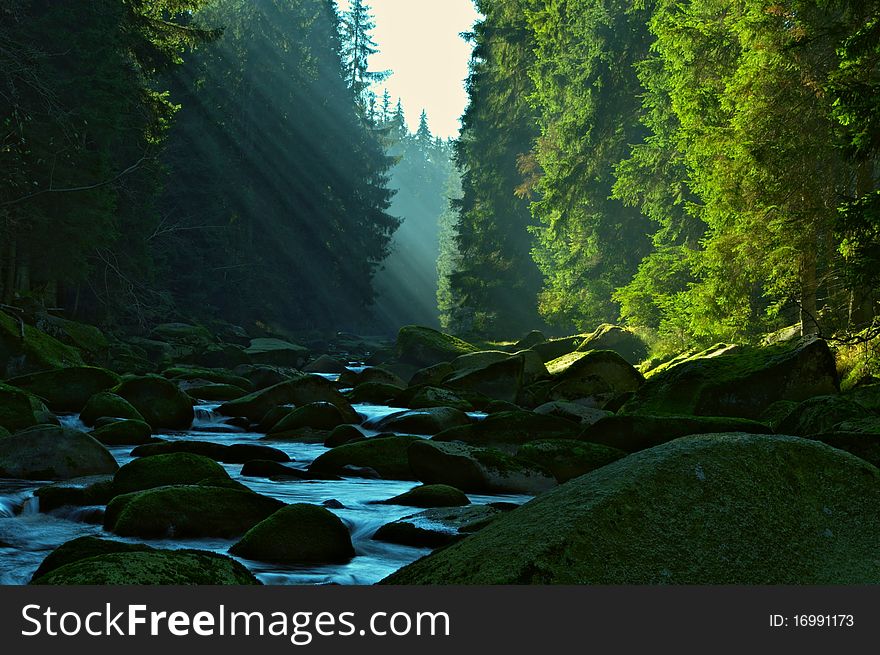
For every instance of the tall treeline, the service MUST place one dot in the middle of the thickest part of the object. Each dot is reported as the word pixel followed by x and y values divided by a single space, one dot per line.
pixel 705 169
pixel 204 157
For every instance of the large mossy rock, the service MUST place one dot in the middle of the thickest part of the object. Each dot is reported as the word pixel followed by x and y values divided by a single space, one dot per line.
pixel 84 337
pixel 430 420
pixel 25 349
pixel 300 390
pixel 511 429
pixel 634 432
pixel 437 527
pixel 231 454
pixel 821 414
pixel 708 509
pixel 163 470
pixel 92 561
pixel 477 470
pixel 572 412
pixel 77 492
pixel 566 459
pixel 623 341
pixel 213 375
pixel 214 392
pixel 161 403
pixel 498 380
pixel 375 393
pixel 427 396
pixel 430 495
pixel 182 333
pixel 67 389
pixel 110 405
pixel 49 452
pixel 297 534
pixel 20 409
pixel 385 455
pixel 555 348
pixel 276 352
pixel 318 416
pixel 741 381
pixel 324 364
pixel 604 365
pixel 421 346
pixel 127 432
pixel 188 511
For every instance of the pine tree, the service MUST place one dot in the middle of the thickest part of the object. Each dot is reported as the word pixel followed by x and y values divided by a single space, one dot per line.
pixel 357 46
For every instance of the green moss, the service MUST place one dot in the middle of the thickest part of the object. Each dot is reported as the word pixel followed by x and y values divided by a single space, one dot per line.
pixel 19 409
pixel 512 428
pixel 422 346
pixel 159 401
pixel 125 432
pixel 110 405
pixel 187 511
pixel 84 548
pixel 300 390
pixel 623 341
pixel 37 351
pixel 161 470
pixel 377 393
pixel 567 459
pixel 214 375
pixel 430 495
pixel 820 414
pixel 67 389
pixel 318 416
pixel 386 455
pixel 49 452
pixel 297 534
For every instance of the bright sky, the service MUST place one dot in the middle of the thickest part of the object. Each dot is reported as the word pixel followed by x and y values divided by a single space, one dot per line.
pixel 419 40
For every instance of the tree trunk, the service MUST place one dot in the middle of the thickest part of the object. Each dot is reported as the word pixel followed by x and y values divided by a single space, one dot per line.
pixel 861 299
pixel 809 318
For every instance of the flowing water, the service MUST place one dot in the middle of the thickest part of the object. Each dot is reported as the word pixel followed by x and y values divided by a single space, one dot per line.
pixel 27 535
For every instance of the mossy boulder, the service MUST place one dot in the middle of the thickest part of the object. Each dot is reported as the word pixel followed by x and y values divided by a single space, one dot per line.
pixel 477 360
pixel 77 492
pixel 566 459
pixel 605 365
pixel 623 341
pixel 821 414
pixel 142 565
pixel 84 337
pixel 20 409
pixel 422 346
pixel 231 454
pixel 476 470
pixel 532 339
pixel 498 380
pixel 212 375
pixel 374 393
pixel 370 374
pixel 125 432
pixel 163 470
pixel 740 382
pixel 219 355
pixel 108 404
pixel 555 348
pixel 214 392
pixel 264 468
pixel 868 396
pixel 25 349
pixel 777 412
pixel 277 352
pixel 385 455
pixel 297 534
pixel 188 511
pixel 437 527
pixel 431 376
pixel 49 452
pixel 161 403
pixel 4 432
pixel 67 389
pixel 324 364
pixel 318 416
pixel 634 432
pixel 511 429
pixel 343 434
pixel 82 548
pixel 424 397
pixel 719 509
pixel 182 333
pixel 300 390
pixel 430 420
pixel 430 495
pixel 572 412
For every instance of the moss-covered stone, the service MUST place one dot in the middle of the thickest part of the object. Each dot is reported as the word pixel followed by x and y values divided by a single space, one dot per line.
pixel 820 414
pixel 478 359
pixel 108 404
pixel 264 468
pixel 623 341
pixel 498 380
pixel 716 509
pixel 25 349
pixel 301 390
pixel 532 339
pixel 572 412
pixel 83 548
pixel 297 534
pixel 385 455
pixel 67 389
pixel 214 392
pixel 378 374
pixel 430 495
pixel 213 375
pixel 318 416
pixel 374 393
pixel 425 397
pixel 606 365
pixel 777 412
pixel 343 434
pixel 162 470
pixel 555 348
pixel 422 346
pixel 437 527
pixel 634 432
pixel 4 432
pixel 430 420
pixel 231 454
pixel 182 332
pixel 511 429
pixel 153 567
pixel 84 337
pixel 49 452
pixel 324 364
pixel 20 409
pixel 277 352
pixel 161 403
pixel 431 376
pixel 78 492
pixel 125 432
pixel 567 459
pixel 868 396
pixel 740 382
pixel 476 470
pixel 188 511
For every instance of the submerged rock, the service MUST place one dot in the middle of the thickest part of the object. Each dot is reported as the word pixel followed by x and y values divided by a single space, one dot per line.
pixel 434 528
pixel 430 495
pixel 709 509
pixel 49 452
pixel 297 534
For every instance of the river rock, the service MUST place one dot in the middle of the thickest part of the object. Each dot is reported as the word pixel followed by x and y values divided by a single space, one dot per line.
pixel 25 349
pixel 532 339
pixel 743 381
pixel 78 492
pixel 385 455
pixel 212 375
pixel 605 365
pixel 369 374
pixel 49 452
pixel 426 396
pixel 318 416
pixel 159 401
pixel 187 511
pixel 634 432
pixel 343 434
pixel 868 396
pixel 67 389
pixel 421 421
pixel 108 404
pixel 263 468
pixel 297 534
pixel 161 470
pixel 434 528
pixel 710 509
pixel 431 376
pixel 566 459
pixel 92 561
pixel 506 429
pixel 499 380
pixel 375 393
pixel 430 495
pixel 277 352
pixel 301 390
pixel 554 348
pixel 476 470
pixel 233 454
pixel 324 364
pixel 20 409
pixel 214 392
pixel 572 412
pixel 123 432
pixel 821 414
pixel 623 341
pixel 422 346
